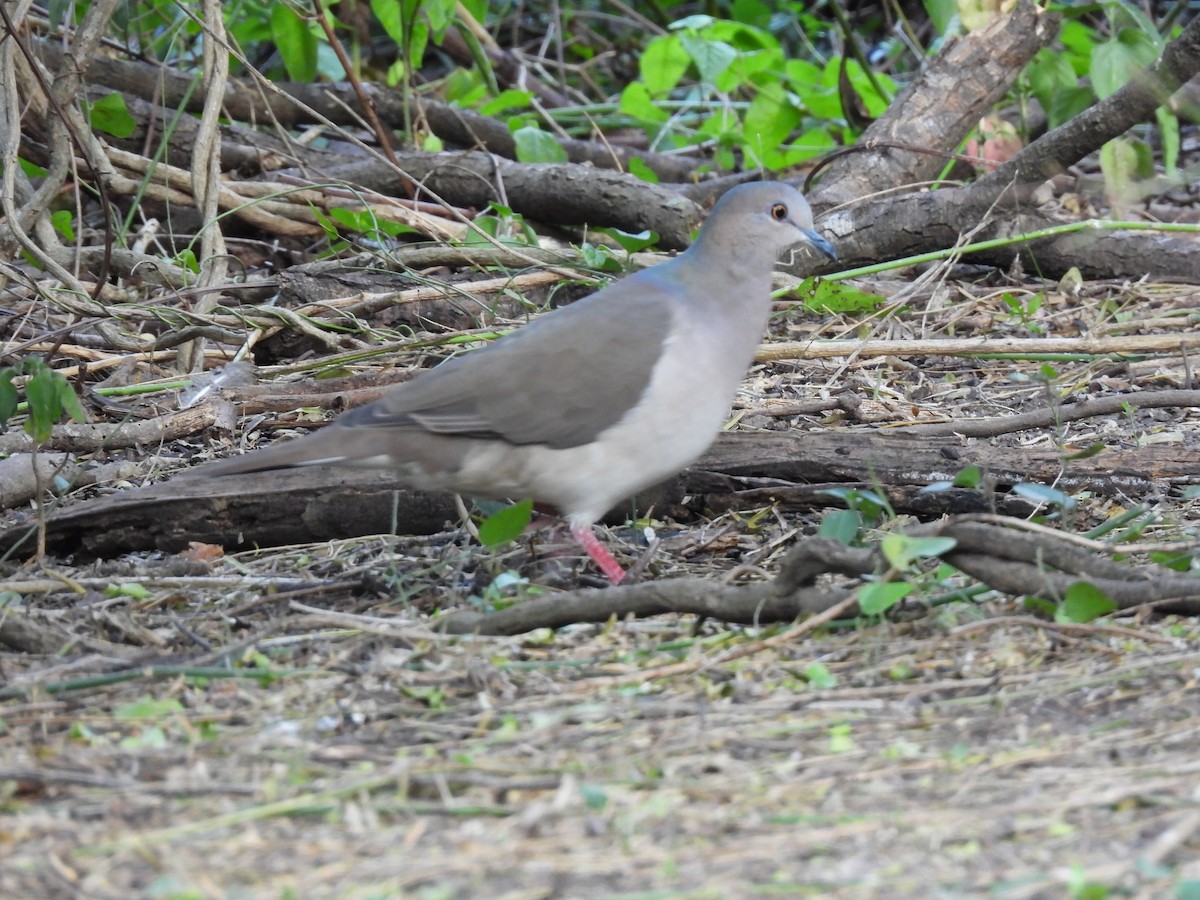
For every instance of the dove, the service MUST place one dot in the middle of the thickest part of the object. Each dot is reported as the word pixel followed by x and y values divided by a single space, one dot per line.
pixel 592 402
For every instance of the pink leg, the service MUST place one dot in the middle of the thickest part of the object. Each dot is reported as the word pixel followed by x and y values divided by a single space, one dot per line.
pixel 598 552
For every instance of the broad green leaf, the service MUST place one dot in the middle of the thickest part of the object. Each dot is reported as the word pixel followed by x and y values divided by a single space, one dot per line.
pixel 769 121
pixel 663 63
pixel 1117 60
pixel 711 57
pixel 506 525
pixel 389 14
pixel 296 43
pixel 814 92
pixel 109 115
pixel 823 296
pixel 1083 603
pixel 878 597
pixel 637 103
pixel 537 146
pixel 942 13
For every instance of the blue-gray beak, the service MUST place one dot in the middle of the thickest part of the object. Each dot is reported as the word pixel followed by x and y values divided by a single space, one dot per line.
pixel 820 243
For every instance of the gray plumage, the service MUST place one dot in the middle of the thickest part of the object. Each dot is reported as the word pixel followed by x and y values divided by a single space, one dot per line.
pixel 592 402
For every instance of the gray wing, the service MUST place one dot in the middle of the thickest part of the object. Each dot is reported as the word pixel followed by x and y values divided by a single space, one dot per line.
pixel 559 381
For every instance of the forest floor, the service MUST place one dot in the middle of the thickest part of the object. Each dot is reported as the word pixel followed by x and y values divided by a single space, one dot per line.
pixel 274 741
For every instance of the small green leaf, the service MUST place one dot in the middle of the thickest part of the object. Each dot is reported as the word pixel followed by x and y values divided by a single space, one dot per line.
pixel 841 739
pixel 969 477
pixel 842 525
pixel 902 550
pixel 127 589
pixel 631 243
pixel 1041 493
pixel 818 676
pixel 505 101
pixel 594 795
pixel 8 395
pixel 639 169
pixel 1087 452
pixel 537 146
pixel 1082 603
pixel 109 115
pixel 64 223
pixel 878 597
pixel 1178 562
pixel 506 525
pixel 148 708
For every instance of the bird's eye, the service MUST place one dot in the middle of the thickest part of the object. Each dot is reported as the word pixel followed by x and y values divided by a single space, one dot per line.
pixel 779 212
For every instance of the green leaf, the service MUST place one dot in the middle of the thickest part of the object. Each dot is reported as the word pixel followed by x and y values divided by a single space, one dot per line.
pixel 506 525
pixel 769 121
pixel 8 395
pixel 537 146
pixel 943 14
pixel 44 409
pixel 711 57
pixel 109 115
pixel 389 14
pixel 969 477
pixel 1083 603
pixel 814 93
pixel 663 63
pixel 1115 61
pixel 1040 493
pixel 594 795
pixel 639 169
pixel 823 296
pixel 842 525
pixel 67 399
pixel 148 708
pixel 296 43
pixel 902 550
pixel 64 223
pixel 878 597
pixel 507 100
pixel 127 589
pixel 630 243
pixel 818 676
pixel 637 103
pixel 1168 132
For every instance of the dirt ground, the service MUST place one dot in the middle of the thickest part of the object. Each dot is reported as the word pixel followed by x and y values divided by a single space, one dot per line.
pixel 266 731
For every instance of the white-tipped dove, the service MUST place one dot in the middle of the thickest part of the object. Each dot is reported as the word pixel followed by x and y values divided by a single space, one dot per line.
pixel 592 402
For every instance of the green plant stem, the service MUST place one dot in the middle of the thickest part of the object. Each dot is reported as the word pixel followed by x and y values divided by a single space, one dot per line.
pixel 1029 236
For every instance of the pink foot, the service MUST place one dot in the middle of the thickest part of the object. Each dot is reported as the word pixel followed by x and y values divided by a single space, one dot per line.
pixel 598 552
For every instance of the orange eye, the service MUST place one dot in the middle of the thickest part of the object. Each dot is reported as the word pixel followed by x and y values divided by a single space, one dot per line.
pixel 779 212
